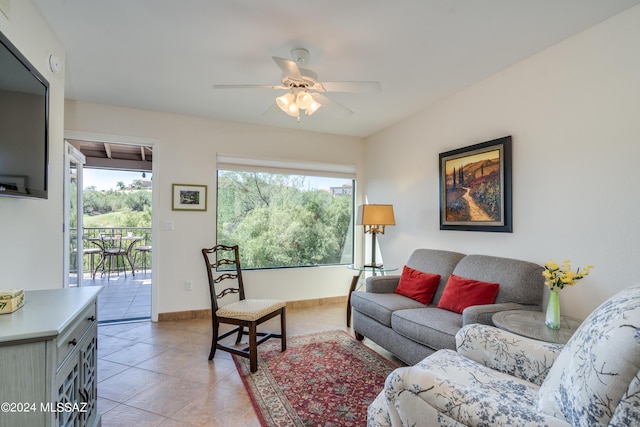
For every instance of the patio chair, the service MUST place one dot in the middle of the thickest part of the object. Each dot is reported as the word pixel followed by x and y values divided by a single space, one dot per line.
pixel 92 251
pixel 142 250
pixel 112 248
pixel 243 312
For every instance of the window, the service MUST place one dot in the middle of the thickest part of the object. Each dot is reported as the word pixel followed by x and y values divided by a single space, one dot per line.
pixel 285 219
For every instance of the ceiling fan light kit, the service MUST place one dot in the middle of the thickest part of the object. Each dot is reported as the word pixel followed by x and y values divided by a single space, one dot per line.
pixel 296 100
pixel 305 91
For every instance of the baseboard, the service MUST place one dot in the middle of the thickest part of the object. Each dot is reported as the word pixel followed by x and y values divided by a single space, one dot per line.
pixel 184 315
pixel 316 302
pixel 206 313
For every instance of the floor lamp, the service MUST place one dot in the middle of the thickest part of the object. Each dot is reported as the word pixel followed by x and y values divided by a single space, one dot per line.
pixel 374 218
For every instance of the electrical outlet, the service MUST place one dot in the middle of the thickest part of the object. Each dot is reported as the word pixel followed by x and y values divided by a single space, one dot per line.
pixel 188 285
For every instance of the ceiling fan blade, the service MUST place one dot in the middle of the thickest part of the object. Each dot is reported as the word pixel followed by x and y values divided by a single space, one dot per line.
pixel 288 67
pixel 350 86
pixel 274 109
pixel 335 107
pixel 249 87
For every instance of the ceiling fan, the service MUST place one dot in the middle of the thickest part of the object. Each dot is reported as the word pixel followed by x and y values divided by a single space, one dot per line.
pixel 304 91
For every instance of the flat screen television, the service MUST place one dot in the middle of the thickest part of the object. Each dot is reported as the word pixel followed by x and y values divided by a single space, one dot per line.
pixel 24 122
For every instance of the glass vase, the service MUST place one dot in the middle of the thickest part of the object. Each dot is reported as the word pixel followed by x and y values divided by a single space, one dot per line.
pixel 553 311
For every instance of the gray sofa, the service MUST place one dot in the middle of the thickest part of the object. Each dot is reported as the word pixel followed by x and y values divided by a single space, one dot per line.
pixel 412 331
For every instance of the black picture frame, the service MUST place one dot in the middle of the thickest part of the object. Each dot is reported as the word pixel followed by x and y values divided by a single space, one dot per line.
pixel 476 187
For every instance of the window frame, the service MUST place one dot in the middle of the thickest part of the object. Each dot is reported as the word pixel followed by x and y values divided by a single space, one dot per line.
pixel 297 168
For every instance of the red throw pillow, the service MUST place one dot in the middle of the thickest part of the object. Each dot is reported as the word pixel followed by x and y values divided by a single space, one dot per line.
pixel 417 285
pixel 460 293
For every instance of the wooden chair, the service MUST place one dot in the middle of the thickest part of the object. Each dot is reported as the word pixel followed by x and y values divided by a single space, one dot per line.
pixel 244 312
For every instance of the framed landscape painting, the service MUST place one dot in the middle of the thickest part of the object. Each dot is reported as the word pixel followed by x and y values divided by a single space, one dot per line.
pixel 187 197
pixel 475 187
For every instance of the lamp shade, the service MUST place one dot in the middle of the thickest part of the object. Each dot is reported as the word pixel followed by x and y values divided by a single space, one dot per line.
pixel 313 107
pixel 375 215
pixel 287 103
pixel 304 100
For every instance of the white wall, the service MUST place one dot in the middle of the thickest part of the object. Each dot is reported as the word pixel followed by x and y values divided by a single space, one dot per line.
pixel 573 111
pixel 31 230
pixel 186 154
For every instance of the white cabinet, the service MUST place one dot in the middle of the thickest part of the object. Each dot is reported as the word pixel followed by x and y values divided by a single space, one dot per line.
pixel 48 360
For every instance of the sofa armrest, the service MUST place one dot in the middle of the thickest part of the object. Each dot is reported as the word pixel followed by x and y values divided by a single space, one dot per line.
pixel 382 284
pixel 483 313
pixel 509 353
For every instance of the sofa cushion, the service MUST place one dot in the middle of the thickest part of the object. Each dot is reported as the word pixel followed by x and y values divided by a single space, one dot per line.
pixel 428 326
pixel 435 261
pixel 461 293
pixel 520 281
pixel 381 306
pixel 597 372
pixel 447 389
pixel 418 285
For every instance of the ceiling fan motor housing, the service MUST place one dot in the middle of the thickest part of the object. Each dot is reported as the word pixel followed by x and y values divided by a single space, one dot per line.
pixel 300 55
pixel 309 80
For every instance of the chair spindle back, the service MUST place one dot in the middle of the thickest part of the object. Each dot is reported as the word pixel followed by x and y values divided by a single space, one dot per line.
pixel 225 256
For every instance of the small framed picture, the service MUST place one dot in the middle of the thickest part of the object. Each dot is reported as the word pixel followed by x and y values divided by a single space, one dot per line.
pixel 187 197
pixel 475 187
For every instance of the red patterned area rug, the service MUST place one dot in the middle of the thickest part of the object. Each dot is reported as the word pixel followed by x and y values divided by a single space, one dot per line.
pixel 323 379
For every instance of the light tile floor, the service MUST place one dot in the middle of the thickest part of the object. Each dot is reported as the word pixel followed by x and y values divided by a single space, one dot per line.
pixel 123 298
pixel 158 374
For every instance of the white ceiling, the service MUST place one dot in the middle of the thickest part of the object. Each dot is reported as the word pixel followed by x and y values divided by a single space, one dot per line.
pixel 166 54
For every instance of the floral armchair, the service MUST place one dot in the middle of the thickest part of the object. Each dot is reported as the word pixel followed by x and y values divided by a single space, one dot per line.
pixel 498 378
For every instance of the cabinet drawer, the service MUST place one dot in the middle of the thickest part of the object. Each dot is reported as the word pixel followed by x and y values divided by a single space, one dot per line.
pixel 71 336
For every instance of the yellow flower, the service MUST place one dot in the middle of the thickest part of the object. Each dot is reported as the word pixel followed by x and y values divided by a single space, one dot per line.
pixel 552 265
pixel 557 277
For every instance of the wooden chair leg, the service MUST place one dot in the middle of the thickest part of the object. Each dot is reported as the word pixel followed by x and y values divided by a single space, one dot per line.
pixel 253 348
pixel 214 340
pixel 352 288
pixel 239 337
pixel 283 328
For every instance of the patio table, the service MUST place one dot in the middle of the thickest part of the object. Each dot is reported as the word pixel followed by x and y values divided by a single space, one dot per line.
pixel 131 241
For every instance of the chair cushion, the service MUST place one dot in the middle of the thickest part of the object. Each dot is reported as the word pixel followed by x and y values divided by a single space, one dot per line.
pixel 506 352
pixel 461 293
pixel 598 369
pixel 418 285
pixel 250 309
pixel 449 389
